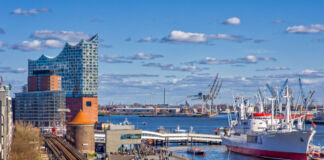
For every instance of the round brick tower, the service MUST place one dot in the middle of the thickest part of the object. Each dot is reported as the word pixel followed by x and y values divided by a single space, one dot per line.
pixel 80 132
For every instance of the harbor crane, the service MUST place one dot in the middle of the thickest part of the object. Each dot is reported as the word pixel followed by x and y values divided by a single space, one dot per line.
pixel 207 99
pixel 278 94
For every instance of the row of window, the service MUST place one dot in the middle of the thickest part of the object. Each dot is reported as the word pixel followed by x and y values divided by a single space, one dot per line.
pixel 130 136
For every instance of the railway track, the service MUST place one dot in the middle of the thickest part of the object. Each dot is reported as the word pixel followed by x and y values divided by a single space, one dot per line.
pixel 61 149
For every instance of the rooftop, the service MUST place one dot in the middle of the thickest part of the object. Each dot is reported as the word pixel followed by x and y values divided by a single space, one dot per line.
pixel 80 119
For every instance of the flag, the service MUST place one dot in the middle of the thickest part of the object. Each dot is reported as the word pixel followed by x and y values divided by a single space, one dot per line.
pixel 313 124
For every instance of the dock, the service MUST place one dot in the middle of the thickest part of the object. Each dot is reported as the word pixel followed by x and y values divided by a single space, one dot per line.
pixel 182 138
pixel 166 138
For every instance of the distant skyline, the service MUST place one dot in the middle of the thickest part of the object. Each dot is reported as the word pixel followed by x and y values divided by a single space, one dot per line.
pixel 179 45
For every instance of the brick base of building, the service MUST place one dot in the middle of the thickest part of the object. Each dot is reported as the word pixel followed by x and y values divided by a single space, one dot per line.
pixel 89 105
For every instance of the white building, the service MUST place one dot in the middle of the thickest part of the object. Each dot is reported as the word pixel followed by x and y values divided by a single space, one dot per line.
pixel 6 120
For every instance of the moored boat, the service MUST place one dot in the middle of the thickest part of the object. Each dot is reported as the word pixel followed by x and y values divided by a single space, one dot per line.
pixel 196 151
pixel 263 135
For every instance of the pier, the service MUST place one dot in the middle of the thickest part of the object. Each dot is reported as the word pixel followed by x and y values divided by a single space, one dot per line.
pixel 165 138
pixel 182 138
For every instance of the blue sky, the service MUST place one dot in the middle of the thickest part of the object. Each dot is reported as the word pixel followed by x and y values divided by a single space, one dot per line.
pixel 179 45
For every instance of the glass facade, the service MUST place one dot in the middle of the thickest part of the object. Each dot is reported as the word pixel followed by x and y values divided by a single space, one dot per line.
pixel 77 64
pixel 39 108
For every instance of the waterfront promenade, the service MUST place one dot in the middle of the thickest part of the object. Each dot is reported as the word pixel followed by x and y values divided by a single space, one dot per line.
pixel 150 153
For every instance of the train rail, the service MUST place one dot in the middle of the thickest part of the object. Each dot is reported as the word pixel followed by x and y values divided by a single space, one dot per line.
pixel 61 149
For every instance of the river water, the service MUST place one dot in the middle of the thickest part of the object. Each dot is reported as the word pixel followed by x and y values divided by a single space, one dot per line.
pixel 200 125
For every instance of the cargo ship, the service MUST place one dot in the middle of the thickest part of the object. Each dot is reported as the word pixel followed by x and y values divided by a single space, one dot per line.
pixel 263 135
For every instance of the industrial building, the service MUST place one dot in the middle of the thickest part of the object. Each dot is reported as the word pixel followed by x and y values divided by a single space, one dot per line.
pixel 6 131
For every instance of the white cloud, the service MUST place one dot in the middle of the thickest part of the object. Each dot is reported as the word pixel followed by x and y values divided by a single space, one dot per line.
pixel 19 11
pixel 180 36
pixel 60 35
pixel 144 56
pixel 37 45
pixel 308 71
pixel 233 20
pixel 171 67
pixel 189 37
pixel 313 28
pixel 147 39
pixel 53 43
pixel 258 51
pixel 29 45
pixel 113 59
pixel 274 68
pixel 123 59
pixel 310 81
pixel 11 70
pixel 251 59
pixel 245 60
pixel 175 80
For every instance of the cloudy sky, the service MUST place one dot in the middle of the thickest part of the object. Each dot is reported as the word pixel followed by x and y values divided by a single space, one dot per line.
pixel 179 45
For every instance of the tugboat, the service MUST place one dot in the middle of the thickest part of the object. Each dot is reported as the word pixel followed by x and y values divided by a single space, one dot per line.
pixel 260 136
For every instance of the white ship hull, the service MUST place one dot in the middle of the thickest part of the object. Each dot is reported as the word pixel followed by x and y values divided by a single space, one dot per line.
pixel 277 145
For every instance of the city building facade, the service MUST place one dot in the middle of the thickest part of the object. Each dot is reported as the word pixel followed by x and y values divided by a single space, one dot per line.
pixel 41 103
pixel 6 131
pixel 77 64
pixel 40 108
pixel 122 137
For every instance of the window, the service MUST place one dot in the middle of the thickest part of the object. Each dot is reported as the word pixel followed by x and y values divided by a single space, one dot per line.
pixel 252 139
pixel 130 136
pixel 88 103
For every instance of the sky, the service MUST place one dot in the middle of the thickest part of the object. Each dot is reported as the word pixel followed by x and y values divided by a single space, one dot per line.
pixel 180 45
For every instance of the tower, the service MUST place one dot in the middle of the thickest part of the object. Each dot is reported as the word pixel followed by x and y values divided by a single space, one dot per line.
pixel 80 132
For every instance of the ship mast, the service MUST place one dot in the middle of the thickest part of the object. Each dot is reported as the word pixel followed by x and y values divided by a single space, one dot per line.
pixel 272 110
pixel 287 113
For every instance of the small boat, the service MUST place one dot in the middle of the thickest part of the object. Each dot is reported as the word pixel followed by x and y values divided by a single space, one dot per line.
pixel 144 123
pixel 161 130
pixel 316 152
pixel 178 130
pixel 196 151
